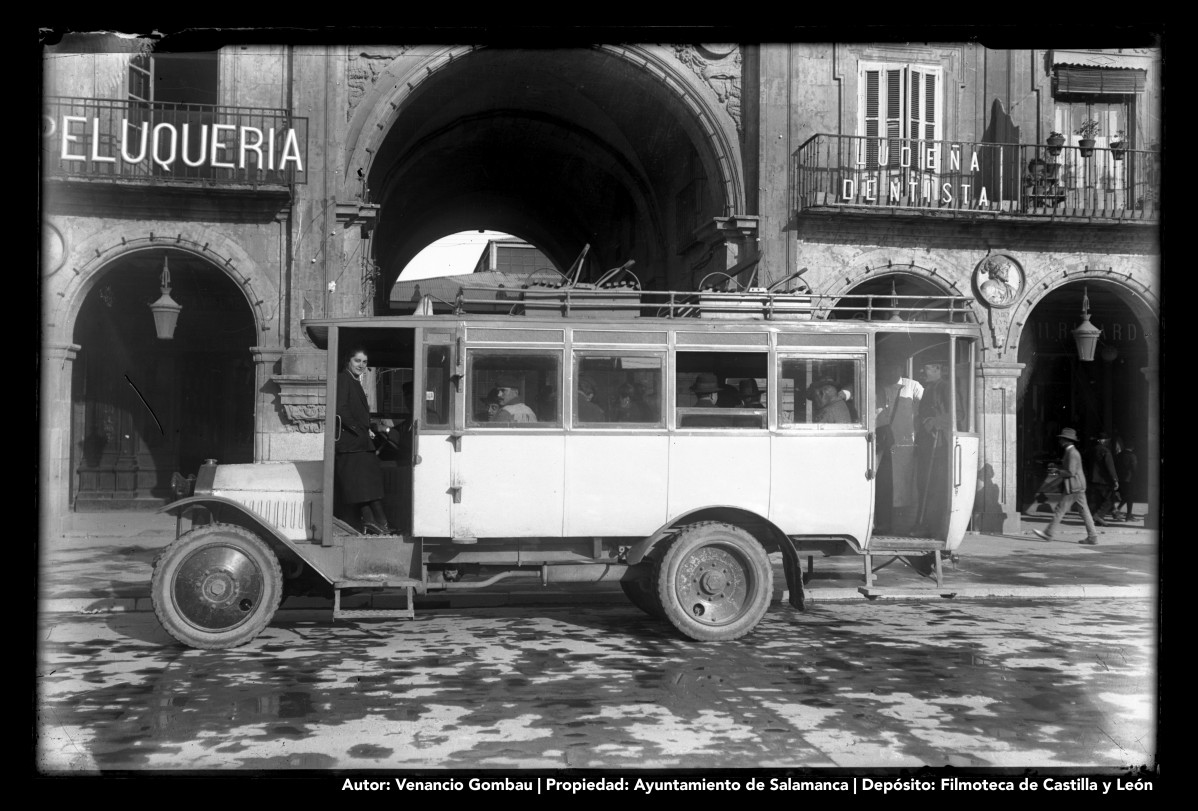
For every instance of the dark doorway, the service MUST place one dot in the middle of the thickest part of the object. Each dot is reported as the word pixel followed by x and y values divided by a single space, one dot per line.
pixel 143 408
pixel 1057 390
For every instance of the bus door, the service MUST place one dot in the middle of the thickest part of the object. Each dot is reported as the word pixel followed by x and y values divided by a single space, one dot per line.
pixel 927 446
pixel 506 468
pixel 434 439
pixel 966 439
pixel 822 458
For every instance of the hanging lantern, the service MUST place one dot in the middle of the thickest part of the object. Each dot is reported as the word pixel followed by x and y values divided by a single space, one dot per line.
pixel 165 309
pixel 1086 334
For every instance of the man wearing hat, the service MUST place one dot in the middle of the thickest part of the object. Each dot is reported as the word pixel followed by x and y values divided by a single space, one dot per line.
pixel 706 389
pixel 750 395
pixel 829 402
pixel 1075 490
pixel 934 428
pixel 512 408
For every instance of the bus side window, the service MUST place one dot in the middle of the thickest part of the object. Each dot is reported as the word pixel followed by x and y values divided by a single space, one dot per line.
pixel 509 388
pixel 820 390
pixel 435 399
pixel 611 388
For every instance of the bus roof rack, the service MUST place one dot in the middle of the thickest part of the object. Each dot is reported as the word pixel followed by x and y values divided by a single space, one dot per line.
pixel 621 299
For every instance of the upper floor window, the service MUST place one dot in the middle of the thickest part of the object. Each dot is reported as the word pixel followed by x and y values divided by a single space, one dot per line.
pixel 141 78
pixel 899 103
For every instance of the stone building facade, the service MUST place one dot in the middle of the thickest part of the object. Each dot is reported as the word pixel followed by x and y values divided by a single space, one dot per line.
pixel 278 182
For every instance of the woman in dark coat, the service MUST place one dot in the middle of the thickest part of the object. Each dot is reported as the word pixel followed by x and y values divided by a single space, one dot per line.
pixel 357 472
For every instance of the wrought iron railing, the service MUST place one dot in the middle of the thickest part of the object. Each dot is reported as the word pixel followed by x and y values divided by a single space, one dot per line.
pixel 186 143
pixel 1031 179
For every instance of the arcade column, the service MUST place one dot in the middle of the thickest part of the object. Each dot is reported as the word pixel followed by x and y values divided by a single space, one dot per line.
pixel 996 508
pixel 1152 460
pixel 54 479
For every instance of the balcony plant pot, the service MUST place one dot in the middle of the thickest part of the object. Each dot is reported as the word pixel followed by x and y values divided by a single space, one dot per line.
pixel 1117 150
pixel 1055 142
pixel 1085 146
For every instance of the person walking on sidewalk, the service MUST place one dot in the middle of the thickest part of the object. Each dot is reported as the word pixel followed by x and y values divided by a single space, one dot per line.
pixel 1102 483
pixel 1075 490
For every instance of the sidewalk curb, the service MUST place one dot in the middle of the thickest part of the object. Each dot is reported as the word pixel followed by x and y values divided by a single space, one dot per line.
pixel 124 605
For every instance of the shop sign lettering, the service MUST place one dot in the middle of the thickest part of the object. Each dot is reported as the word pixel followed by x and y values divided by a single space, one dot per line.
pixel 221 146
pixel 901 173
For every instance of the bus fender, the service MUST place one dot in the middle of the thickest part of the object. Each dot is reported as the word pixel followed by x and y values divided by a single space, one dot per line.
pixel 227 511
pixel 770 537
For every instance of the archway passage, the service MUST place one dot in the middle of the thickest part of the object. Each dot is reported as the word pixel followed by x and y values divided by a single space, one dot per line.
pixel 899 296
pixel 1058 390
pixel 559 147
pixel 144 409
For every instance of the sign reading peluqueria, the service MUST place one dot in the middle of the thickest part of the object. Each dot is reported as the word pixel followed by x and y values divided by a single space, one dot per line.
pixel 211 143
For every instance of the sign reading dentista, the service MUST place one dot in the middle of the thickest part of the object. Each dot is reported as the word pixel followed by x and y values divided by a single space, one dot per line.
pixel 172 146
pixel 899 182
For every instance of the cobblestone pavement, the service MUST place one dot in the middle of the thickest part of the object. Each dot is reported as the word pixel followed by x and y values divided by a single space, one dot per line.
pixel 848 684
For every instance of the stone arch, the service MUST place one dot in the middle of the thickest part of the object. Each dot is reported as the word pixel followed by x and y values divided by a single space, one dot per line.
pixel 382 106
pixel 1143 301
pixel 101 252
pixel 940 283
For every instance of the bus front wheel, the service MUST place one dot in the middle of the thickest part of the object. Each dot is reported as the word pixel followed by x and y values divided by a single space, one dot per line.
pixel 217 586
pixel 714 582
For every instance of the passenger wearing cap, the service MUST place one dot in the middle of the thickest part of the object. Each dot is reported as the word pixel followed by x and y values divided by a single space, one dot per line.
pixel 512 408
pixel 587 410
pixel 829 403
pixel 1075 490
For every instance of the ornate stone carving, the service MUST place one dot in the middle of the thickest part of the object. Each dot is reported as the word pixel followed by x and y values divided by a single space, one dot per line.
pixel 363 71
pixel 302 399
pixel 720 67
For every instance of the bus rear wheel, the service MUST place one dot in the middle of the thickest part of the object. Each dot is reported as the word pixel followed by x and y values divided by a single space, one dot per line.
pixel 216 587
pixel 714 582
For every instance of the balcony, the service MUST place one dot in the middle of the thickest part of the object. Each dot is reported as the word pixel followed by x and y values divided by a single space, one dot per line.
pixel 961 179
pixel 129 141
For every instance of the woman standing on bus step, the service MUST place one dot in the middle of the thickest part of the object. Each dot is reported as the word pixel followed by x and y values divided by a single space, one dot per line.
pixel 357 472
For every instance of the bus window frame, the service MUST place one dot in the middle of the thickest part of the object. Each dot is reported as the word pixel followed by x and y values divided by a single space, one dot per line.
pixel 469 395
pixel 861 374
pixel 660 353
pixel 677 412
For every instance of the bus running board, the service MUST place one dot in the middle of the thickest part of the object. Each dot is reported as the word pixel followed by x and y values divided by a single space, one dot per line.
pixel 407 612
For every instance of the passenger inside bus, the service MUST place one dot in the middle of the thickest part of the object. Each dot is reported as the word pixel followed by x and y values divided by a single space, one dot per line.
pixel 750 394
pixel 626 407
pixel 490 407
pixel 935 434
pixel 706 390
pixel 587 410
pixel 829 402
pixel 897 491
pixel 512 407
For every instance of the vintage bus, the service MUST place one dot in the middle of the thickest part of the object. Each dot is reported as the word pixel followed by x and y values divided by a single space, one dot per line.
pixel 670 441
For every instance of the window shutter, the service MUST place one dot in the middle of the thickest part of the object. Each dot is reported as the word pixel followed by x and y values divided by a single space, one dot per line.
pixel 1099 81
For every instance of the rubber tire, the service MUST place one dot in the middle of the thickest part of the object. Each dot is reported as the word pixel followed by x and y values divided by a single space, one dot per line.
pixel 246 547
pixel 642 593
pixel 740 555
